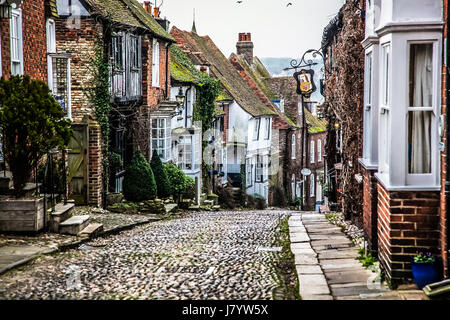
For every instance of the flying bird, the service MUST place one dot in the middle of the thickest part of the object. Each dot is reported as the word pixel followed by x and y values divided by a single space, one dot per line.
pixel 240 1
pixel 289 4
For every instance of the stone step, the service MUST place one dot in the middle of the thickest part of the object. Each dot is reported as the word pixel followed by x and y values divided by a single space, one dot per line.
pixel 91 230
pixel 216 207
pixel 194 208
pixel 208 202
pixel 74 225
pixel 62 213
pixel 170 207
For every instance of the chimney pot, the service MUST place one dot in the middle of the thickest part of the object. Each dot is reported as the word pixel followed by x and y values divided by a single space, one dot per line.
pixel 249 37
pixel 148 7
pixel 156 13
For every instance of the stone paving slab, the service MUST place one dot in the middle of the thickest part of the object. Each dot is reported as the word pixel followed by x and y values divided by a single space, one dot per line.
pixel 313 284
pixel 318 297
pixel 303 251
pixel 352 289
pixel 346 277
pixel 299 237
pixel 340 263
pixel 308 269
pixel 337 254
pixel 14 255
pixel 330 241
pixel 303 259
pixel 297 230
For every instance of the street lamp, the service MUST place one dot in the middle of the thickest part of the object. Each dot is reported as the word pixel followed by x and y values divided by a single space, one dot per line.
pixel 180 97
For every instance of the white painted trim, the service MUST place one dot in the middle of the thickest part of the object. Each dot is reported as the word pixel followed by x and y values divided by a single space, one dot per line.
pixel 382 179
pixel 366 164
pixel 20 34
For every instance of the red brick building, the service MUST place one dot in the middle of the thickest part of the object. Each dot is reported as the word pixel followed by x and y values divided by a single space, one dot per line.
pixel 135 45
pixel 24 37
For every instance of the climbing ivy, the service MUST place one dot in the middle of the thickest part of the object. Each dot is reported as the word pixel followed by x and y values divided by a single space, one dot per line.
pixel 99 96
pixel 207 92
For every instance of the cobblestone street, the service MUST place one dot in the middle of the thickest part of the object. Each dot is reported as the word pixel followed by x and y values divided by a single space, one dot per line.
pixel 204 255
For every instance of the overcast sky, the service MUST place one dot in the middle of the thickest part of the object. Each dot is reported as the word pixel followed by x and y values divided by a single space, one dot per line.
pixel 277 30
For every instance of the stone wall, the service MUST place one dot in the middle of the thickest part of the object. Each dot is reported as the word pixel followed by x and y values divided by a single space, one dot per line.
pixel 408 222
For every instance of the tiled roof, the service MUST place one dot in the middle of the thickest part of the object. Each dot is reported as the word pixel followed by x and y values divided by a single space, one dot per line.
pixel 258 72
pixel 51 8
pixel 315 125
pixel 181 67
pixel 130 13
pixel 208 54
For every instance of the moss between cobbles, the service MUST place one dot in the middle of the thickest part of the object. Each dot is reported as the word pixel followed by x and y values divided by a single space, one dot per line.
pixel 286 272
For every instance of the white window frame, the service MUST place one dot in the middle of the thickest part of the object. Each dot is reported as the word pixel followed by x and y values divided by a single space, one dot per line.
pixel 256 129
pixel 248 170
pixel 155 63
pixel 293 146
pixel 313 152
pixel 51 48
pixel 259 169
pixel 385 108
pixel 368 100
pixel 265 168
pixel 18 13
pixel 319 150
pixel 312 185
pixel 185 153
pixel 166 137
pixel 293 187
pixel 268 126
pixel 425 178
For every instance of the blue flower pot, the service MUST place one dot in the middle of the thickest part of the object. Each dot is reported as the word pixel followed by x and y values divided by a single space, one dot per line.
pixel 424 273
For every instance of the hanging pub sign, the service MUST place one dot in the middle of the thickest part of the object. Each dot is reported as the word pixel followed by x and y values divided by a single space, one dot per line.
pixel 305 82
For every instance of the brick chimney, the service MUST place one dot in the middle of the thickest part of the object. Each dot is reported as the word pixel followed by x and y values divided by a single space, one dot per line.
pixel 148 6
pixel 245 46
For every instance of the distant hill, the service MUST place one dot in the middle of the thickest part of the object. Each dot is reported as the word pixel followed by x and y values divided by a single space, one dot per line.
pixel 275 66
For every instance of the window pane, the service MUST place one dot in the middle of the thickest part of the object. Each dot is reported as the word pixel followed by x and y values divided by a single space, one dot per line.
pixel 419 141
pixel 421 75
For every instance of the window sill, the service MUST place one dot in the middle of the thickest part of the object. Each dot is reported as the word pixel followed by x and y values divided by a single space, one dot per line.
pixel 367 164
pixel 384 180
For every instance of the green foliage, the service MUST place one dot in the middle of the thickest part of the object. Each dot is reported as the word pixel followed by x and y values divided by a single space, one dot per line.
pixel 32 124
pixel 297 202
pixel 115 160
pixel 424 257
pixel 139 183
pixel 366 260
pixel 162 181
pixel 207 92
pixel 99 95
pixel 189 188
pixel 176 178
pixel 279 197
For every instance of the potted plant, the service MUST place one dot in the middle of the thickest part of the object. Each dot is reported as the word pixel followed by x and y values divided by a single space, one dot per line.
pixel 32 123
pixel 424 269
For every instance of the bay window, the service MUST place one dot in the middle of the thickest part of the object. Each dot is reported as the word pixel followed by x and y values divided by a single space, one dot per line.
pixel 161 137
pixel 135 65
pixel 368 106
pixel 185 153
pixel 385 130
pixel 16 42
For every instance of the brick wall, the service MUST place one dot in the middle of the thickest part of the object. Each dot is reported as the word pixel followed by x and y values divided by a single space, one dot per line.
pixel 81 43
pixel 370 212
pixel 408 222
pixel 34 41
pixel 95 164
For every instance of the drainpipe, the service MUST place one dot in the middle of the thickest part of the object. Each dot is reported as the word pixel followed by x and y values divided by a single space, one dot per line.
pixel 447 129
